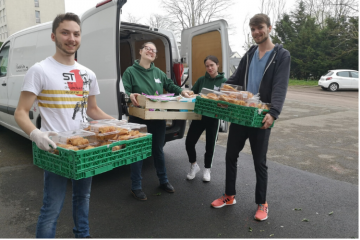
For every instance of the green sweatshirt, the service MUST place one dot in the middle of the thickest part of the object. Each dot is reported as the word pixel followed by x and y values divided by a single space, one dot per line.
pixel 137 79
pixel 208 82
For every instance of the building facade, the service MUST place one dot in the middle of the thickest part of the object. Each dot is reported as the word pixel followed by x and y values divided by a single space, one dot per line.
pixel 16 15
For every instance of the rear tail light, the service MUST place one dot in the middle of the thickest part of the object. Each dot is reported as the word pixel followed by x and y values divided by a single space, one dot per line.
pixel 329 78
pixel 102 3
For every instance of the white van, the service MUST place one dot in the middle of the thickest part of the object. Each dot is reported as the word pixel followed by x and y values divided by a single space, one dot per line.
pixel 108 47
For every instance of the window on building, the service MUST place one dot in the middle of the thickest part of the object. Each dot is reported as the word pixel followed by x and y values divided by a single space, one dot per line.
pixel 1 12
pixel 4 15
pixel 37 15
pixel 36 3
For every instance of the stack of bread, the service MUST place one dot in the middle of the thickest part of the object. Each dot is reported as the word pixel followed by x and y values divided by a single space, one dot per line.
pixel 99 133
pixel 232 94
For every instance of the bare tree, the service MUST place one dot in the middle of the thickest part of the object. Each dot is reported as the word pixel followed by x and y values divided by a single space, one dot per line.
pixel 132 19
pixel 190 13
pixel 273 8
pixel 322 9
pixel 249 41
pixel 160 21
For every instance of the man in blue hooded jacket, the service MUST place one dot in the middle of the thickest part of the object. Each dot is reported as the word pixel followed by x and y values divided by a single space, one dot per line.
pixel 264 69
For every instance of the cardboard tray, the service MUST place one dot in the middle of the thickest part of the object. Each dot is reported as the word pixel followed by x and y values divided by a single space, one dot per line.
pixel 146 103
pixel 146 114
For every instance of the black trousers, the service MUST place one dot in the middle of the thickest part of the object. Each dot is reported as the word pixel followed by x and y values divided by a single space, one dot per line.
pixel 197 127
pixel 259 141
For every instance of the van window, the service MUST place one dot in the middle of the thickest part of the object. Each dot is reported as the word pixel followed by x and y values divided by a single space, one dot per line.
pixel 4 57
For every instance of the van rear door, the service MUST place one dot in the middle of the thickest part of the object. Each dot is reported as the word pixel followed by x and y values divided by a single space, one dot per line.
pixel 100 52
pixel 4 85
pixel 203 40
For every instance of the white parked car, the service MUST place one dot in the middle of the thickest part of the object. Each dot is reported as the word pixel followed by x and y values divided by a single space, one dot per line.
pixel 340 79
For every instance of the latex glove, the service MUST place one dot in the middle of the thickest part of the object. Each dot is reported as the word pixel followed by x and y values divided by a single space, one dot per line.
pixel 133 99
pixel 42 139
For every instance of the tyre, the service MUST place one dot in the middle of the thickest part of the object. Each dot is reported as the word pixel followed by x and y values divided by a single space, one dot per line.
pixel 333 87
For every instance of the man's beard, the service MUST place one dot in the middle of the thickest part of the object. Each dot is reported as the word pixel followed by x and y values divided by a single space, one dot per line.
pixel 58 44
pixel 265 38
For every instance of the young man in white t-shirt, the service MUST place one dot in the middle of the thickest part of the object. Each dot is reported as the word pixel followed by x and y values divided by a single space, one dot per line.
pixel 65 92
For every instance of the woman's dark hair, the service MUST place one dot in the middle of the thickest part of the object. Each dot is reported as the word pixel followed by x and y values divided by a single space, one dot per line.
pixel 65 17
pixel 212 58
pixel 142 46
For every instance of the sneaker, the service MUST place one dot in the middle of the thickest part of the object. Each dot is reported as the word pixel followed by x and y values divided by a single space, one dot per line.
pixel 206 177
pixel 193 170
pixel 262 212
pixel 225 200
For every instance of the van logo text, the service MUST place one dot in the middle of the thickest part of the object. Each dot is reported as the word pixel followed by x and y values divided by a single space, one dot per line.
pixel 21 68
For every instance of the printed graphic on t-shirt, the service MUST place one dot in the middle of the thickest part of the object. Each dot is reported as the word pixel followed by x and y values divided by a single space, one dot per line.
pixel 82 83
pixel 157 80
pixel 76 83
pixel 216 88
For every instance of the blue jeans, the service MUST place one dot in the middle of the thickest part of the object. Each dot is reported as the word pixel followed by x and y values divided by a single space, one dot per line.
pixel 54 195
pixel 157 128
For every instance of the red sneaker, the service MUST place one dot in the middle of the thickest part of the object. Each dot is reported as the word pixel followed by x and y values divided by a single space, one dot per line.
pixel 225 200
pixel 262 212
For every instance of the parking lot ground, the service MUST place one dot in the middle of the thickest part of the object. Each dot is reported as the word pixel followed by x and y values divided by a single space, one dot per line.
pixel 114 213
pixel 317 132
pixel 313 166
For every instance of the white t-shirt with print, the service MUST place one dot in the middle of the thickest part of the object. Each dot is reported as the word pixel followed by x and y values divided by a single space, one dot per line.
pixel 62 93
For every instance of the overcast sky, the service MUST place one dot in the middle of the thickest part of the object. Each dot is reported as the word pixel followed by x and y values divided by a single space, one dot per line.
pixel 236 15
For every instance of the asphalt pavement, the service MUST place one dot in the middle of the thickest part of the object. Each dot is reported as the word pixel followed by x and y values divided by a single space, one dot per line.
pixel 312 187
pixel 329 208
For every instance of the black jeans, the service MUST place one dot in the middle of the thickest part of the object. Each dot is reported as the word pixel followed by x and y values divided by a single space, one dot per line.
pixel 197 127
pixel 157 128
pixel 259 141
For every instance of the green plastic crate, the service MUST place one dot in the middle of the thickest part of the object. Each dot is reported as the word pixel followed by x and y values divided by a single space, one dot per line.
pixel 246 116
pixel 87 163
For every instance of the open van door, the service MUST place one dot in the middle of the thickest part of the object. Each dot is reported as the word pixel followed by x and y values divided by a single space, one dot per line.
pixel 203 40
pixel 100 51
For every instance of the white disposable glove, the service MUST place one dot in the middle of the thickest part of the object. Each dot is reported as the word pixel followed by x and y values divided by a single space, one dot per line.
pixel 42 139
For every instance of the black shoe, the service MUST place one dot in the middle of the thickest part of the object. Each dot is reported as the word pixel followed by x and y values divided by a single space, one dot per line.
pixel 167 187
pixel 88 236
pixel 139 194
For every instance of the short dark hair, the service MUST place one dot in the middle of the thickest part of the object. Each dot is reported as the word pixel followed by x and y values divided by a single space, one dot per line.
pixel 142 46
pixel 259 19
pixel 64 17
pixel 212 58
